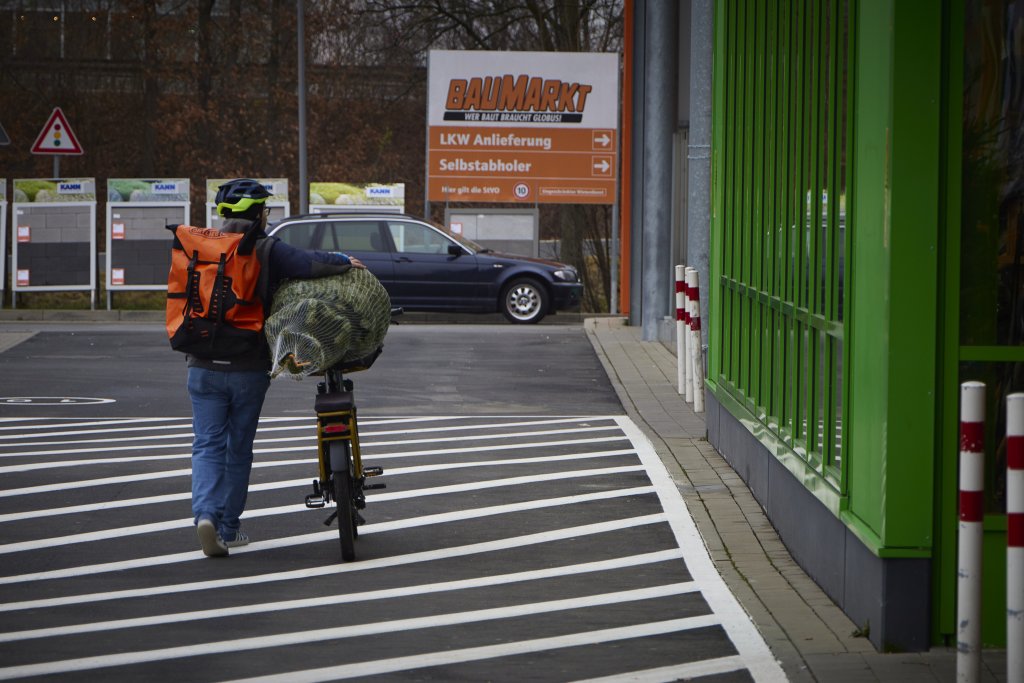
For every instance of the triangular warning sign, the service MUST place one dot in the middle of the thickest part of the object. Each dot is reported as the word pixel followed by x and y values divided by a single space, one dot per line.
pixel 57 137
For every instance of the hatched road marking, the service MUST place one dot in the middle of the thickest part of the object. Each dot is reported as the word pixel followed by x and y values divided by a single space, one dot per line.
pixel 525 541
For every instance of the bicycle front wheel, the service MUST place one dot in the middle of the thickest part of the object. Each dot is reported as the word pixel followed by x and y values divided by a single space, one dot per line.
pixel 344 497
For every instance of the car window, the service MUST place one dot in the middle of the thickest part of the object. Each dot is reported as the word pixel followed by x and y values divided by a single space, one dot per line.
pixel 413 238
pixel 348 236
pixel 298 235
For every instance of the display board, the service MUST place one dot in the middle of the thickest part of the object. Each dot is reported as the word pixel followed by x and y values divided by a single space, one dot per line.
pixel 278 200
pixel 512 231
pixel 324 197
pixel 138 242
pixel 531 127
pixel 54 235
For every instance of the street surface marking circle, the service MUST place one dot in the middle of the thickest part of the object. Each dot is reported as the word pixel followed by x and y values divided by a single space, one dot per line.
pixel 52 400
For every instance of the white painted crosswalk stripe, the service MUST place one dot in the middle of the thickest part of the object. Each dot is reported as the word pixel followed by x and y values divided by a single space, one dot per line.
pixel 336 569
pixel 267 486
pixel 308 440
pixel 49 464
pixel 345 598
pixel 321 536
pixel 124 531
pixel 610 635
pixel 340 632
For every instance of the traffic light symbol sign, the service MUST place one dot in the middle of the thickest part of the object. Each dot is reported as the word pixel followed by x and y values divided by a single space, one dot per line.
pixel 57 136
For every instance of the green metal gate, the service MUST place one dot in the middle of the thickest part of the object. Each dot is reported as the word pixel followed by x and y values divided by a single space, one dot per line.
pixel 780 215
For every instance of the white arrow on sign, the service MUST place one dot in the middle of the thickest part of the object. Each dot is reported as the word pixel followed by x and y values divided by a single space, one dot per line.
pixel 603 166
pixel 604 139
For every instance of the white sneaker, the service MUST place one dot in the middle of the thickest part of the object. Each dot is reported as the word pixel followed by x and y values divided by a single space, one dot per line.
pixel 239 539
pixel 209 538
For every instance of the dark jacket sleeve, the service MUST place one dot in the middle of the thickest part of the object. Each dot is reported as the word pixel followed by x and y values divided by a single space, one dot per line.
pixel 285 261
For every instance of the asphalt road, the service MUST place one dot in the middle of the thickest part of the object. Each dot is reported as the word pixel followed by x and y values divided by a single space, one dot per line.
pixel 424 370
pixel 528 531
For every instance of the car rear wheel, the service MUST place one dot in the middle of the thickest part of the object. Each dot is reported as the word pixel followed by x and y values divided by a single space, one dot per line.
pixel 524 301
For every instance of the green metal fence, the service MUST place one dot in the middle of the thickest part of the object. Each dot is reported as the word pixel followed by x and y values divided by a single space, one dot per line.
pixel 779 228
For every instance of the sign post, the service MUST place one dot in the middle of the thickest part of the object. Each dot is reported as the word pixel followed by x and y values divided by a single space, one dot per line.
pixel 57 138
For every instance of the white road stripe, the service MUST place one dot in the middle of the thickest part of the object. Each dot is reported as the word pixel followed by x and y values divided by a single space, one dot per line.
pixel 332 570
pixel 134 439
pixel 441 518
pixel 356 630
pixel 27 467
pixel 740 628
pixel 153 527
pixel 310 439
pixel 11 440
pixel 348 598
pixel 133 478
pixel 288 483
pixel 48 422
pixel 476 654
pixel 677 672
pixel 310 425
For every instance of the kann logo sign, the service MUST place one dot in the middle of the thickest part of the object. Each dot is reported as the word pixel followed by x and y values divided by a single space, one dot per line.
pixel 522 99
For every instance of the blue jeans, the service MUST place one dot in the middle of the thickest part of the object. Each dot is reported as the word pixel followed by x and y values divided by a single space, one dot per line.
pixel 225 411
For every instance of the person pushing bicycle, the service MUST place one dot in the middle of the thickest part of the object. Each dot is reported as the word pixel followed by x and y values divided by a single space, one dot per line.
pixel 227 390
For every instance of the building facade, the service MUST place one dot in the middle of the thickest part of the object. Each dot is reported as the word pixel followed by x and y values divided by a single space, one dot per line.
pixel 866 257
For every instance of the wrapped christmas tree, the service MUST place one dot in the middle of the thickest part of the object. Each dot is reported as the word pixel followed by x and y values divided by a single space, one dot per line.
pixel 319 323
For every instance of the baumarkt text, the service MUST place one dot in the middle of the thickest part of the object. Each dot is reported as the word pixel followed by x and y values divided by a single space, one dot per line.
pixel 522 94
pixel 488 166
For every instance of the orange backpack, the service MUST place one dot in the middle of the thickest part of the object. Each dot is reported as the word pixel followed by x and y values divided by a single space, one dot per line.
pixel 213 308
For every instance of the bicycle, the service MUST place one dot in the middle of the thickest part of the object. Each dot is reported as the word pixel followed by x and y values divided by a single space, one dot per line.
pixel 342 475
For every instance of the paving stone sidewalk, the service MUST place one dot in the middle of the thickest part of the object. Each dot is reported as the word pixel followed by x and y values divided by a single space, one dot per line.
pixel 809 635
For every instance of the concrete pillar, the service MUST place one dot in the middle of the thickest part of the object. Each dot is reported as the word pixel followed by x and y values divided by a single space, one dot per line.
pixel 636 212
pixel 661 44
pixel 698 213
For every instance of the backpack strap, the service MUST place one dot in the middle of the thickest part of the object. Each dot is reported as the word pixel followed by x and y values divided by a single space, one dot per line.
pixel 249 238
pixel 193 302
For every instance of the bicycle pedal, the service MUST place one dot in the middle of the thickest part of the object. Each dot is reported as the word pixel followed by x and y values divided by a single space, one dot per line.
pixel 373 471
pixel 314 501
pixel 368 487
pixel 359 519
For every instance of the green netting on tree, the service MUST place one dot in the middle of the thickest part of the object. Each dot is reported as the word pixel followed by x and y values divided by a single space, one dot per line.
pixel 316 324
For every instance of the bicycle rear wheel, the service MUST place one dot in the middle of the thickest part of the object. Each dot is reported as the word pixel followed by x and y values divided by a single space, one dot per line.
pixel 344 490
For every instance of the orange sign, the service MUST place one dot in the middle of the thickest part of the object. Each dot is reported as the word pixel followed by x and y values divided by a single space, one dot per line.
pixel 531 127
pixel 546 165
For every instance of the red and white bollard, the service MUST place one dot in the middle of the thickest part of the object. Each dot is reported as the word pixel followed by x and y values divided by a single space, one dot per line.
pixel 682 336
pixel 972 503
pixel 1015 538
pixel 697 356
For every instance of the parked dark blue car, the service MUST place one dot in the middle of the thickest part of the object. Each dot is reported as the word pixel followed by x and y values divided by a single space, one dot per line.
pixel 426 268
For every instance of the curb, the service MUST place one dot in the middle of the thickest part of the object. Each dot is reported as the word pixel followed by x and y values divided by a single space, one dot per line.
pixel 150 316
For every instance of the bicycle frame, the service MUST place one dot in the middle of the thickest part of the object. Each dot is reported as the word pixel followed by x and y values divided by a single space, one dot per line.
pixel 338 425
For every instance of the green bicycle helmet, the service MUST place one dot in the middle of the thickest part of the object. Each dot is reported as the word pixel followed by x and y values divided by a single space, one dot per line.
pixel 242 198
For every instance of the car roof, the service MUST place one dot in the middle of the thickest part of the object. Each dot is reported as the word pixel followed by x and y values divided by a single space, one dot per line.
pixel 350 214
